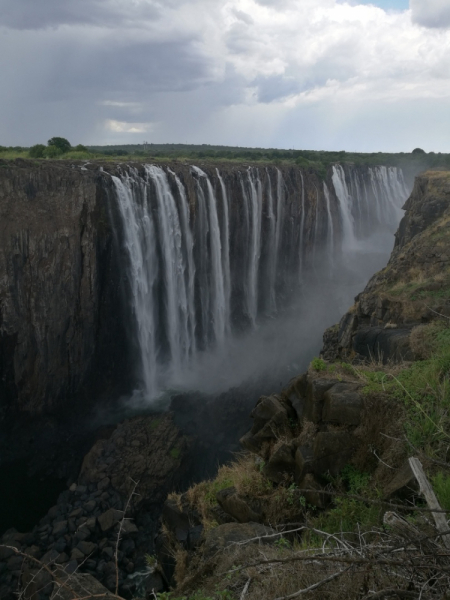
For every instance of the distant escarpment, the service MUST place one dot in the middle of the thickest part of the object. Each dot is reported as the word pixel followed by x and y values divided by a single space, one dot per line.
pixel 413 289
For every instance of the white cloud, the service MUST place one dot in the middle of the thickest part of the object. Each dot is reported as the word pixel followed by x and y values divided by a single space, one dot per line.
pixel 124 127
pixel 208 70
pixel 431 13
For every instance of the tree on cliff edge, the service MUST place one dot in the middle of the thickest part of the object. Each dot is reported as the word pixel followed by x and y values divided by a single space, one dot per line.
pixel 60 143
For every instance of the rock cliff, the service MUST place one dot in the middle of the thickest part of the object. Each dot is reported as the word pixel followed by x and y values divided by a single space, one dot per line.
pixel 414 287
pixel 59 297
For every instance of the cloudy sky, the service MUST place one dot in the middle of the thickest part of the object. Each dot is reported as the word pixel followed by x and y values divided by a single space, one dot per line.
pixel 313 74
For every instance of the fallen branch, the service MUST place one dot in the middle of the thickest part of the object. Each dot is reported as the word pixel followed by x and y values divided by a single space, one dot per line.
pixel 430 497
pixel 314 586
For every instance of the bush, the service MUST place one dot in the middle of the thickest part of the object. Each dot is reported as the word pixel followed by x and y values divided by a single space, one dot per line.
pixel 37 151
pixel 318 364
pixel 52 152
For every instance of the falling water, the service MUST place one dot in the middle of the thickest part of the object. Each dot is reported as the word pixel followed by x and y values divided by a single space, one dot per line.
pixel 343 196
pixel 226 251
pixel 142 270
pixel 194 281
pixel 330 233
pixel 218 300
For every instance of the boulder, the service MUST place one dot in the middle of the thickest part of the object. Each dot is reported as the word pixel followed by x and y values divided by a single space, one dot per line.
pixel 332 451
pixel 236 506
pixel 315 397
pixel 281 463
pixel 108 519
pixel 343 404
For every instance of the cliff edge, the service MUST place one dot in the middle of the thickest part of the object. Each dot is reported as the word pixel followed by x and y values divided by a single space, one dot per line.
pixel 413 289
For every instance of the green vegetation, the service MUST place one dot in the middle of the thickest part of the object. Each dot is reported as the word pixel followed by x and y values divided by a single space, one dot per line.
pixel 175 453
pixel 316 160
pixel 60 143
pixel 441 486
pixel 423 387
pixel 318 364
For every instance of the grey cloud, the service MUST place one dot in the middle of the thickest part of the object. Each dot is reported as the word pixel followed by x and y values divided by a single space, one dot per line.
pixel 242 16
pixel 431 13
pixel 42 14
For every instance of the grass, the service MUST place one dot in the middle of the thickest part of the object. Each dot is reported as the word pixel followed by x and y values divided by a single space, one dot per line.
pixel 423 387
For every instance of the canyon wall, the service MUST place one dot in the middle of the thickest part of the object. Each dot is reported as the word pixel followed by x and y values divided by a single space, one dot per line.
pixel 58 286
pixel 112 274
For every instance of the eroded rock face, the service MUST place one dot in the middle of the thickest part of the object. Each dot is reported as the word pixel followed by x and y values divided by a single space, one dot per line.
pixel 58 288
pixel 412 289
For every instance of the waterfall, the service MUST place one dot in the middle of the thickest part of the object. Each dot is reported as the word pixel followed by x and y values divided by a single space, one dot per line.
pixel 253 203
pixel 330 232
pixel 343 196
pixel 272 241
pixel 302 228
pixel 226 251
pixel 370 200
pixel 139 242
pixel 174 267
pixel 205 258
pixel 218 299
pixel 189 253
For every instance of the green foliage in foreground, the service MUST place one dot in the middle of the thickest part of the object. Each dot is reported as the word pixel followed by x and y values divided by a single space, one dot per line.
pixel 424 388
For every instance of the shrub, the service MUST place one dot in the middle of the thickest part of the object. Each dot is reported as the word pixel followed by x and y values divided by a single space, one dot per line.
pixel 37 151
pixel 52 152
pixel 318 364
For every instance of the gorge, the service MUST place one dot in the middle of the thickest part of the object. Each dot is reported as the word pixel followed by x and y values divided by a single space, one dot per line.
pixel 131 288
pixel 139 269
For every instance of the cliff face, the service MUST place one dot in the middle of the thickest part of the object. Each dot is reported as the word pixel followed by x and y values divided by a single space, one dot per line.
pixel 68 325
pixel 414 287
pixel 55 277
